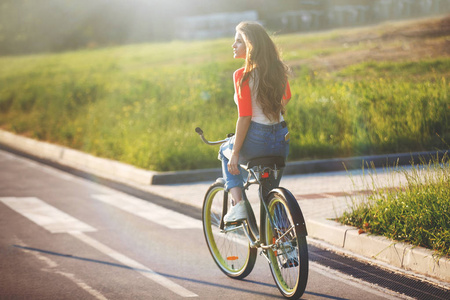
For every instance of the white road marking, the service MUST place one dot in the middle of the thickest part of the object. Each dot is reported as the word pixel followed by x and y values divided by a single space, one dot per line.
pixel 53 172
pixel 357 283
pixel 56 221
pixel 82 285
pixel 45 215
pixel 135 265
pixel 52 267
pixel 150 211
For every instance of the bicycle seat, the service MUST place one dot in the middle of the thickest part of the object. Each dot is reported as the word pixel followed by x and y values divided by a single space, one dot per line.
pixel 267 162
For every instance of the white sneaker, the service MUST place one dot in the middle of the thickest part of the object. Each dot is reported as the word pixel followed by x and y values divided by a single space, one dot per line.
pixel 237 212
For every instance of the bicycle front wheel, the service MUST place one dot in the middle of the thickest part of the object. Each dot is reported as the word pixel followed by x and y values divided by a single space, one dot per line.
pixel 289 254
pixel 230 249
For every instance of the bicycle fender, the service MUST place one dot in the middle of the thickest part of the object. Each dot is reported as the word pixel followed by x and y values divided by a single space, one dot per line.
pixel 294 208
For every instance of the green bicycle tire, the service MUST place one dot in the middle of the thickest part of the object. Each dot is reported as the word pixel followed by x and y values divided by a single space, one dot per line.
pixel 289 259
pixel 231 251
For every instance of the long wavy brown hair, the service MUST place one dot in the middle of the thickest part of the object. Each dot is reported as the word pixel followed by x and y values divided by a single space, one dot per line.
pixel 262 55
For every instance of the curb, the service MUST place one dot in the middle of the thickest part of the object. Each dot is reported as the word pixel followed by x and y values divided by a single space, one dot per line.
pixel 110 169
pixel 400 255
pixel 101 167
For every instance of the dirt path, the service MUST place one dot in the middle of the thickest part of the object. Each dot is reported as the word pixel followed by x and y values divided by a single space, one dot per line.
pixel 400 41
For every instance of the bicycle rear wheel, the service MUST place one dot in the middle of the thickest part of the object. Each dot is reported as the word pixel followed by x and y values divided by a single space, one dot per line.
pixel 289 257
pixel 230 250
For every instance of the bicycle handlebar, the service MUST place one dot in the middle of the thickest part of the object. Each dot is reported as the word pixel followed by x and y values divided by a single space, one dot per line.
pixel 212 143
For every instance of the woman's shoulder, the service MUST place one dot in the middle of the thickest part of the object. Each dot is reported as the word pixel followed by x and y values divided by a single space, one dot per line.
pixel 238 73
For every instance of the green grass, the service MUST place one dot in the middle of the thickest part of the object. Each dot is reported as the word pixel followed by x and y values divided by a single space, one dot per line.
pixel 417 212
pixel 139 104
pixel 374 114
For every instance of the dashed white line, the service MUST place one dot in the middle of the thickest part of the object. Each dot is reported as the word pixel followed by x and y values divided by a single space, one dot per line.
pixel 46 215
pixel 143 270
pixel 52 267
pixel 357 283
pixel 56 221
pixel 150 211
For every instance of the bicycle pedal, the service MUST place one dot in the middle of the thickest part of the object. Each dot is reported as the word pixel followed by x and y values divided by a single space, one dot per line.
pixel 234 223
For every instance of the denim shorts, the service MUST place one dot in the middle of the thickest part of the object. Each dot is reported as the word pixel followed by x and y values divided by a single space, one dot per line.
pixel 261 140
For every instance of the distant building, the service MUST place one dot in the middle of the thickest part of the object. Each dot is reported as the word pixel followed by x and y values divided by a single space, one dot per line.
pixel 48 25
pixel 284 16
pixel 211 25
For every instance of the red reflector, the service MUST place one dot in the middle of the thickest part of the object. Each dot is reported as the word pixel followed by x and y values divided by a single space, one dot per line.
pixel 232 258
pixel 265 175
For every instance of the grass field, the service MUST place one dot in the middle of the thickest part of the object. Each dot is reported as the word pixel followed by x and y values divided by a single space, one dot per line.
pixel 371 90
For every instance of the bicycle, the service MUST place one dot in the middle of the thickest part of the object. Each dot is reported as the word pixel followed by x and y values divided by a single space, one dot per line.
pixel 281 235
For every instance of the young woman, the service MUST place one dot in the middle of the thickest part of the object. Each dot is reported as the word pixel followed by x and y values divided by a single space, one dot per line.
pixel 261 93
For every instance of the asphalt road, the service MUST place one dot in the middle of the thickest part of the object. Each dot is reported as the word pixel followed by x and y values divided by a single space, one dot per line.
pixel 65 237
